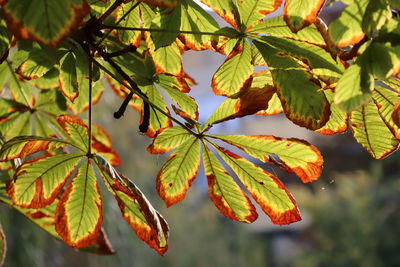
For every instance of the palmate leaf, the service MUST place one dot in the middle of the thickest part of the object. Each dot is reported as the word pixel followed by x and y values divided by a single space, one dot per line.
pixel 3 246
pixel 168 22
pixel 79 213
pixel 371 131
pixel 301 13
pixel 131 20
pixel 337 122
pixel 37 64
pixel 178 173
pixel 162 3
pixel 234 74
pixel 296 155
pixel 45 219
pixel 44 21
pixel 226 194
pixel 148 224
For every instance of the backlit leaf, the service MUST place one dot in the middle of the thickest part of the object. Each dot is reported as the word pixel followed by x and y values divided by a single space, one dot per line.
pixel 253 11
pixel 148 224
pixel 168 139
pixel 132 19
pixel 299 156
pixel 38 182
pixel 386 101
pixel 162 3
pixel 44 21
pixel 267 190
pixel 302 100
pixel 81 103
pixel 178 173
pixel 376 14
pixel 301 13
pixel 76 129
pixel 68 79
pixel 337 122
pixel 5 44
pixel 226 194
pixel 226 9
pixel 168 22
pixel 79 212
pixel 234 74
pixel 36 65
pixel 346 30
pixel 371 131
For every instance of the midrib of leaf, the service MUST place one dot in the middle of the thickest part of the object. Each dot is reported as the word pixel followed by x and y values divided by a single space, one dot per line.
pixel 185 155
pixel 50 168
pixel 216 180
pixel 245 171
pixel 18 84
pixel 84 201
pixel 366 130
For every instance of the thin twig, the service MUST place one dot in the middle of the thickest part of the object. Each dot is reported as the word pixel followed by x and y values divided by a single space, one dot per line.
pixel 163 30
pixel 90 105
pixel 110 10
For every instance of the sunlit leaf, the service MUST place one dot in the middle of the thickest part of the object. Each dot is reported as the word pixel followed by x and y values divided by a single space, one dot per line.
pixel 301 13
pixel 226 194
pixel 169 139
pixel 386 101
pixel 302 100
pixel 267 190
pixel 226 9
pixel 371 131
pixel 376 15
pixel 81 103
pixel 298 155
pixel 68 79
pixel 44 21
pixel 178 173
pixel 132 19
pixel 253 11
pixel 49 80
pixel 148 224
pixel 79 212
pixel 36 65
pixel 76 129
pixel 337 122
pixel 234 74
pixel 162 3
pixel 39 181
pixel 346 30
pixel 168 22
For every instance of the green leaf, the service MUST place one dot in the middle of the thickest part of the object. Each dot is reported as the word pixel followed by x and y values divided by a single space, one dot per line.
pixel 162 3
pixel 168 139
pixel 226 194
pixel 76 130
pixel 347 30
pixel 17 124
pixel 371 131
pixel 267 190
pixel 3 245
pixel 301 13
pixel 354 88
pixel 253 11
pixel 234 75
pixel 68 77
pixel 277 27
pixel 5 44
pixel 167 59
pixel 44 218
pixel 148 224
pixel 376 15
pixel 178 173
pixel 302 99
pixel 195 19
pixel 299 156
pixel 21 147
pixel 51 101
pixel 128 37
pixel 386 101
pixel 38 182
pixel 36 65
pixel 187 103
pixel 81 103
pixel 337 122
pixel 79 212
pixel 226 9
pixel 48 80
pixel 168 22
pixel 44 21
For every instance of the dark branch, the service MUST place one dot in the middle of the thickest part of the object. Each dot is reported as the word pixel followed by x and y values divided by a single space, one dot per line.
pixel 123 106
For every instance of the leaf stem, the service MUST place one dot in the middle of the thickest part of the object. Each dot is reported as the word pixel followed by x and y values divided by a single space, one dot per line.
pixel 162 30
pixel 89 153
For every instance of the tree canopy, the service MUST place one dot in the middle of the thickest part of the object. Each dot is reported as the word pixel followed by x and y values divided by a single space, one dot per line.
pixel 57 58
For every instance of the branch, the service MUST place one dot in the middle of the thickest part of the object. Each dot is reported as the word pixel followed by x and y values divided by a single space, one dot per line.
pixel 352 53
pixel 110 10
pixel 123 106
